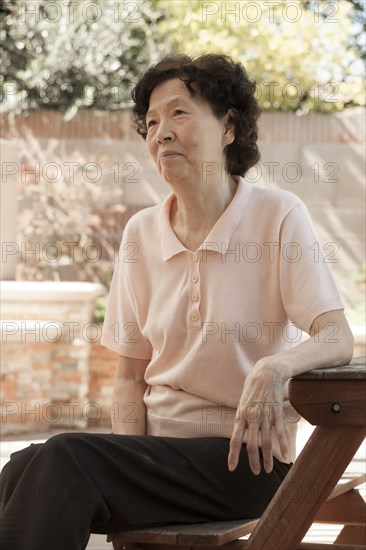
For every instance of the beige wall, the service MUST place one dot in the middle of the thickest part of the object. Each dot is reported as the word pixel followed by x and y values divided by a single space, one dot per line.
pixel 9 152
pixel 318 157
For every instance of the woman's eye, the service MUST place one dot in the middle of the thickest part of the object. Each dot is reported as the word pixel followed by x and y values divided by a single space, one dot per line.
pixel 151 123
pixel 178 112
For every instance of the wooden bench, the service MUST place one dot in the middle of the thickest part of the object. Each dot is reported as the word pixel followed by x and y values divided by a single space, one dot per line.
pixel 343 506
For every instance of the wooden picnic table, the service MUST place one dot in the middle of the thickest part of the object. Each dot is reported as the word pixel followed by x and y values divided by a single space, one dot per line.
pixel 333 400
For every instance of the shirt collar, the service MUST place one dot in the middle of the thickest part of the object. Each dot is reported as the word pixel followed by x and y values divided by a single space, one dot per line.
pixel 219 237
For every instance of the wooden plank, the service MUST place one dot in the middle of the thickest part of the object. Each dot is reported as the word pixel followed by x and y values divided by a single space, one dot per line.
pixel 320 546
pixel 144 546
pixel 160 535
pixel 352 534
pixel 356 369
pixel 309 482
pixel 328 402
pixel 215 533
pixel 348 481
pixel 349 508
pixel 243 545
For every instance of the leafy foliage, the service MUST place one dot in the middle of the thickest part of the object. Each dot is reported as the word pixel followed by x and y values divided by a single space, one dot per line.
pixel 302 54
pixel 75 54
pixel 359 21
pixel 89 53
pixel 65 227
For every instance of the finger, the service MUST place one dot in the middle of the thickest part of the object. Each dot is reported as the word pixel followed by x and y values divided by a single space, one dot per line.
pixel 281 433
pixel 236 442
pixel 254 421
pixel 266 440
pixel 253 450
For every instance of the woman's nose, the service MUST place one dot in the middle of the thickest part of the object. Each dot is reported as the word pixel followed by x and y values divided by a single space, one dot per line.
pixel 164 133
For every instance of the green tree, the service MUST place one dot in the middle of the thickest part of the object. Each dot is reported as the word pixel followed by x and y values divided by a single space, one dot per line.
pixel 359 20
pixel 75 54
pixel 87 54
pixel 302 54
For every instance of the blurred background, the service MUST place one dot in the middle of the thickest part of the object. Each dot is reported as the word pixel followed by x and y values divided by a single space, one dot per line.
pixel 74 169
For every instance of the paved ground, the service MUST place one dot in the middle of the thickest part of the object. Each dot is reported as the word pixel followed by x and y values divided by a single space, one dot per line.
pixel 318 533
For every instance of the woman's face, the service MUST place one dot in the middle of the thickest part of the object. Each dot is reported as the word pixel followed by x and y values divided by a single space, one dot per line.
pixel 184 137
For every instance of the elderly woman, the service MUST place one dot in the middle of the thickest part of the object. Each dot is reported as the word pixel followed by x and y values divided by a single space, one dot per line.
pixel 211 292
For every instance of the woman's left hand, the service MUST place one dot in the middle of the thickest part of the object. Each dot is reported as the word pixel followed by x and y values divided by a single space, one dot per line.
pixel 259 410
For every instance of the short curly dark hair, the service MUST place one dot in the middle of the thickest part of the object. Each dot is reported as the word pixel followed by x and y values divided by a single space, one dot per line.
pixel 224 84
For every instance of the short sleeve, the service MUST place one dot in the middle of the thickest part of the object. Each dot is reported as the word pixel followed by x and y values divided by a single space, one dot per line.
pixel 121 331
pixel 308 288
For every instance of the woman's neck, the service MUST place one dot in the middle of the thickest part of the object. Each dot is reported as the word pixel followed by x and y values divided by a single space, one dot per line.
pixel 196 210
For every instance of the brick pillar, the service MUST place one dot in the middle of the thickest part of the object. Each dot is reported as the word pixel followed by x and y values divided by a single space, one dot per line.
pixel 46 333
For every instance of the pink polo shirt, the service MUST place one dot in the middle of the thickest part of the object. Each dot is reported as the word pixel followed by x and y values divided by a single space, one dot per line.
pixel 205 318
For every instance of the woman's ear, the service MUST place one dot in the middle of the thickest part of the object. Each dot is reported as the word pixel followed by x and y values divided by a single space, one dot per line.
pixel 229 126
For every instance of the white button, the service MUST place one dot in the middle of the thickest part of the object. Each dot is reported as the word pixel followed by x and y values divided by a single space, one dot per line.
pixel 194 297
pixel 194 317
pixel 195 257
pixel 194 278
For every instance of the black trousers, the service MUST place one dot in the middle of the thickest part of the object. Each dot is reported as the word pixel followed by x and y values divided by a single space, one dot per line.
pixel 53 495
